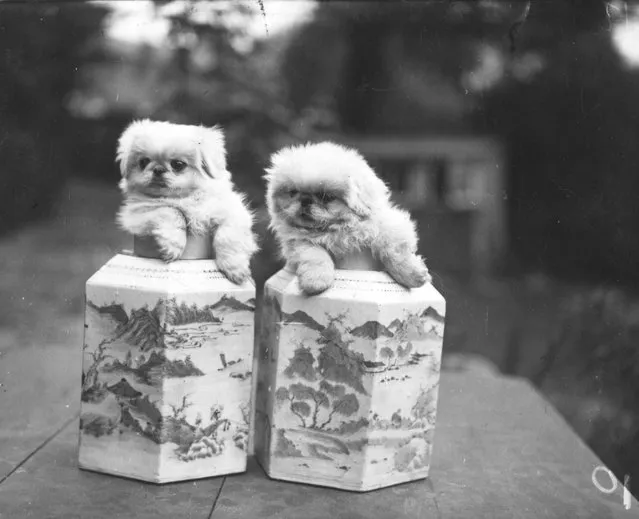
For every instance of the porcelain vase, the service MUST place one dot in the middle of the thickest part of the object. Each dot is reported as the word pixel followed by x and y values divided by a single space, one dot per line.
pixel 347 383
pixel 167 362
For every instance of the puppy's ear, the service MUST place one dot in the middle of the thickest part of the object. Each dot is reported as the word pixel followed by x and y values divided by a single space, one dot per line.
pixel 213 152
pixel 125 144
pixel 367 192
pixel 269 176
pixel 279 161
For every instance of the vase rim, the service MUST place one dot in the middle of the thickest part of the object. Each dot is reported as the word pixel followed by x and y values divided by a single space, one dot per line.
pixel 350 274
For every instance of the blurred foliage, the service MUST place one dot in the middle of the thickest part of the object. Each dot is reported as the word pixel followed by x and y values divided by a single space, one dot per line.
pixel 570 131
pixel 43 46
pixel 596 351
pixel 354 52
pixel 216 74
pixel 558 94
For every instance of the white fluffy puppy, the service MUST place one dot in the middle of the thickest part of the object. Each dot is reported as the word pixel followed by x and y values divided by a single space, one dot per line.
pixel 326 202
pixel 175 181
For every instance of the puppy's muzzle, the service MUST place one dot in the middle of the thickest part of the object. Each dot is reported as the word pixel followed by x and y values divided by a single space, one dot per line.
pixel 306 204
pixel 306 201
pixel 158 171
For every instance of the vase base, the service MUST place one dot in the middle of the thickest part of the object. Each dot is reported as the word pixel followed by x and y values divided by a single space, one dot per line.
pixel 158 480
pixel 355 486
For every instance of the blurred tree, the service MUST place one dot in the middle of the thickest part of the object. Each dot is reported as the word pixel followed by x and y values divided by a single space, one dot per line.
pixel 43 47
pixel 376 49
pixel 218 74
pixel 545 76
pixel 570 129
pixel 213 71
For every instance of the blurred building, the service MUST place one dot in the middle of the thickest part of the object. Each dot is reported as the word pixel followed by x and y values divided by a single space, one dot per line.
pixel 396 81
pixel 453 185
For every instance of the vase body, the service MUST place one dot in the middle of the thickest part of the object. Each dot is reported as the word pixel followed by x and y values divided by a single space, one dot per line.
pixel 167 364
pixel 347 382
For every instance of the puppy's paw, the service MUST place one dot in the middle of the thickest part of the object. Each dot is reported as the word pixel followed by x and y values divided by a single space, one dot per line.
pixel 171 243
pixel 410 272
pixel 315 281
pixel 236 271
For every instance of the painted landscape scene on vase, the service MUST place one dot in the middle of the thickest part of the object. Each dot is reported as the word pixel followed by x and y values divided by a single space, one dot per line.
pixel 353 398
pixel 166 384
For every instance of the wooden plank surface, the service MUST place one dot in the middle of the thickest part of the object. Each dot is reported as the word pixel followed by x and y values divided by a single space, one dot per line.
pixel 50 485
pixel 39 392
pixel 500 451
pixel 253 495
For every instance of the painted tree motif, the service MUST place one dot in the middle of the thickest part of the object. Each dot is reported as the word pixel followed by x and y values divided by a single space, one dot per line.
pixel 195 440
pixel 301 364
pixel 387 354
pixel 91 389
pixel 345 404
pixel 393 359
pixel 337 363
pixel 307 402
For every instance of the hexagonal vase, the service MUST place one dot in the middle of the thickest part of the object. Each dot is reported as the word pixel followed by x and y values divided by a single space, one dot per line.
pixel 346 392
pixel 167 362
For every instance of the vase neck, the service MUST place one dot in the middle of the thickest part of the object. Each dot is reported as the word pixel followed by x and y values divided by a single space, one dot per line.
pixel 197 247
pixel 360 260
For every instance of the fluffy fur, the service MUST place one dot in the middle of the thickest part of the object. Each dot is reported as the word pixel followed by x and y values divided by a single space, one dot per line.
pixel 326 202
pixel 174 182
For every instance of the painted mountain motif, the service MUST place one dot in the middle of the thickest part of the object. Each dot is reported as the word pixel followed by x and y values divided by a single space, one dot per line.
pixel 166 382
pixel 154 369
pixel 431 313
pixel 395 325
pixel 372 330
pixel 230 304
pixel 115 311
pixel 353 388
pixel 185 314
pixel 302 318
pixel 144 328
pixel 124 390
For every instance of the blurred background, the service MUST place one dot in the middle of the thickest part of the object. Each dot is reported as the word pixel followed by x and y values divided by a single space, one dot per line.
pixel 508 129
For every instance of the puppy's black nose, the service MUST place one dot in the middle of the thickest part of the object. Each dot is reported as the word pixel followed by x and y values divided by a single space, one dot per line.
pixel 159 170
pixel 306 200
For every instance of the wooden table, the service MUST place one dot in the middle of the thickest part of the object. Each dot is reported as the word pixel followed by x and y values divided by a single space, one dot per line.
pixel 500 452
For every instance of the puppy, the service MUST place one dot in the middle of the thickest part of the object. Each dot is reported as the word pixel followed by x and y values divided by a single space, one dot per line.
pixel 325 202
pixel 174 182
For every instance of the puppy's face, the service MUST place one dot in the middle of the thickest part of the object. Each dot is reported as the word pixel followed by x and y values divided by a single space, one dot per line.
pixel 312 206
pixel 160 159
pixel 321 187
pixel 164 172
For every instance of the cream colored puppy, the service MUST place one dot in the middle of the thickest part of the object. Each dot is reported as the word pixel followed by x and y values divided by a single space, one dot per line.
pixel 325 202
pixel 175 181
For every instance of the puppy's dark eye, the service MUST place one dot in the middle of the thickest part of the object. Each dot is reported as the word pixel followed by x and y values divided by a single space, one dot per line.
pixel 178 165
pixel 328 197
pixel 144 162
pixel 293 192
